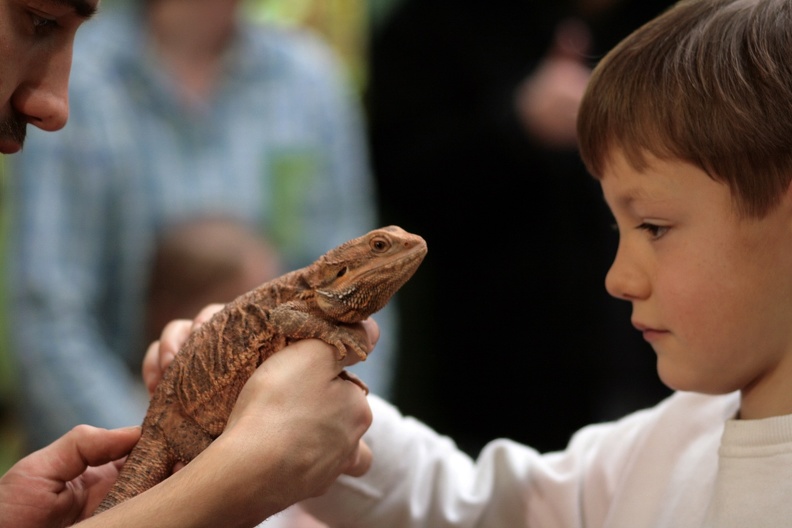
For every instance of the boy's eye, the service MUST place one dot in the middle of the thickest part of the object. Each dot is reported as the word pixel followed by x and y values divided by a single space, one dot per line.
pixel 654 230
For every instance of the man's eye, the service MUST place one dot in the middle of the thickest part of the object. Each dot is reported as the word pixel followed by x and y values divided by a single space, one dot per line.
pixel 654 230
pixel 42 24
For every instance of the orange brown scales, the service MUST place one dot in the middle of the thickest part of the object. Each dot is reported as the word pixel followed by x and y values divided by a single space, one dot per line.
pixel 192 403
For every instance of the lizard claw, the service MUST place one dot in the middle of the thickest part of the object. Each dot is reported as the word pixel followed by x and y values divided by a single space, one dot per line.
pixel 342 353
pixel 355 340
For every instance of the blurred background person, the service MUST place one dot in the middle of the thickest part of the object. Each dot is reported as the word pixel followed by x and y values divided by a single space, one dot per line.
pixel 179 109
pixel 467 101
pixel 201 261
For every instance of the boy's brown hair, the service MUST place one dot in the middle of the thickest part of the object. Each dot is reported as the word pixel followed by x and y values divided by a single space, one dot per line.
pixel 708 82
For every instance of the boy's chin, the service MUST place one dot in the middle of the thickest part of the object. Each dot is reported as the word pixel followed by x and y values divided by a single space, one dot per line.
pixel 682 378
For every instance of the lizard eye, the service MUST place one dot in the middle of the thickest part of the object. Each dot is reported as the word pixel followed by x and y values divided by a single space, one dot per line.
pixel 342 272
pixel 379 244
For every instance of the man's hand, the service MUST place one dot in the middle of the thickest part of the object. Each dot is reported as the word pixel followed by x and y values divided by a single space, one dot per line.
pixel 319 419
pixel 295 427
pixel 311 418
pixel 65 481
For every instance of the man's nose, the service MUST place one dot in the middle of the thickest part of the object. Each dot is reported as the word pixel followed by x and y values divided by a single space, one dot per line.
pixel 43 99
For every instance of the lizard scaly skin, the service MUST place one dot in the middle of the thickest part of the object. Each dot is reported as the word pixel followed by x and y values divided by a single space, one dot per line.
pixel 192 403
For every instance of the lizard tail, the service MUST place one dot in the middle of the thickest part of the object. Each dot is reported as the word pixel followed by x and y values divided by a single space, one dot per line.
pixel 150 454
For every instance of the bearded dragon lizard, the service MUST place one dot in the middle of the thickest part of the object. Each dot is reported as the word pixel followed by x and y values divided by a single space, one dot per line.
pixel 192 403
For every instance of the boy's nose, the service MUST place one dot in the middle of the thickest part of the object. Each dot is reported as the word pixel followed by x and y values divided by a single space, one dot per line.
pixel 625 280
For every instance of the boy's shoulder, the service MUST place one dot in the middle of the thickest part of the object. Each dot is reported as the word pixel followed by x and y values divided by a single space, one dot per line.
pixel 673 423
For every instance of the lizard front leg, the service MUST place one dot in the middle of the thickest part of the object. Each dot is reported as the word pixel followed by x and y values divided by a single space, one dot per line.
pixel 294 323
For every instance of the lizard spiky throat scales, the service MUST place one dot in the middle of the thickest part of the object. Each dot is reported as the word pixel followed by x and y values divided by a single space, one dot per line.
pixel 192 403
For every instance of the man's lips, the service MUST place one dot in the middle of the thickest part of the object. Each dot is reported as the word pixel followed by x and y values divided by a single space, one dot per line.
pixel 13 129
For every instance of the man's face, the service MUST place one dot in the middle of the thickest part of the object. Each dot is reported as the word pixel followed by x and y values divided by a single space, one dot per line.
pixel 36 38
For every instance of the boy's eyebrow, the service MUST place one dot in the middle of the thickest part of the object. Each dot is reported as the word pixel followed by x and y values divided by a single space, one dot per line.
pixel 82 7
pixel 626 199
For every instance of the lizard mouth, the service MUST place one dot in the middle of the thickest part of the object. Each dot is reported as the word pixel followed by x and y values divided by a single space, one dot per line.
pixel 373 288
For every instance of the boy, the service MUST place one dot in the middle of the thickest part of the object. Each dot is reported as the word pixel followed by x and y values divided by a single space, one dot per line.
pixel 688 126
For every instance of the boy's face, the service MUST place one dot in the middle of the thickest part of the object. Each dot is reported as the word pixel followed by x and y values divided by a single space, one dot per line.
pixel 711 291
pixel 36 38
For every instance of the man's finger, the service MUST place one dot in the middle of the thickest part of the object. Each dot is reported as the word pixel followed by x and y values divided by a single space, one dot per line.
pixel 372 329
pixel 313 356
pixel 68 457
pixel 172 339
pixel 152 373
pixel 161 353
pixel 206 313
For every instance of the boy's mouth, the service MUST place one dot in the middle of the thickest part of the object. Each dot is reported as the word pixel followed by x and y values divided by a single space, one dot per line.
pixel 649 333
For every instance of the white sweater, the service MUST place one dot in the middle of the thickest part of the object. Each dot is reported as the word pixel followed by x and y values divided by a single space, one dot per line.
pixel 683 463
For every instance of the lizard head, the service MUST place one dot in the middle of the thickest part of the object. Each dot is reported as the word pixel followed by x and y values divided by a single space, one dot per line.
pixel 359 277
